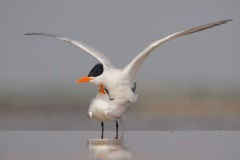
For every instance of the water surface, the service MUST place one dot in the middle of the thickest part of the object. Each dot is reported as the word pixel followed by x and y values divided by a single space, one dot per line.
pixel 71 145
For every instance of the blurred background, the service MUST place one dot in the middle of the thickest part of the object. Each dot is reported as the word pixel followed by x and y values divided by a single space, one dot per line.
pixel 191 83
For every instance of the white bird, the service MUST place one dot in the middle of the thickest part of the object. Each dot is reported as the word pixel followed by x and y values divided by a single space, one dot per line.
pixel 119 82
pixel 103 108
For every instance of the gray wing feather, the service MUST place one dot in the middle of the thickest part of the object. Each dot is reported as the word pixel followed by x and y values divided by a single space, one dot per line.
pixel 133 67
pixel 98 55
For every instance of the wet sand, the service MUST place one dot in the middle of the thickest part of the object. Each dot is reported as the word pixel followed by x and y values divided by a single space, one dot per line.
pixel 71 145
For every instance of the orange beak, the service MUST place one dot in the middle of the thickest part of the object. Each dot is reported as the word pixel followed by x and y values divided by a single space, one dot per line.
pixel 102 90
pixel 84 79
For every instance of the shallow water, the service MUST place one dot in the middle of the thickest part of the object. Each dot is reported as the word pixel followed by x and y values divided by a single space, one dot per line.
pixel 71 145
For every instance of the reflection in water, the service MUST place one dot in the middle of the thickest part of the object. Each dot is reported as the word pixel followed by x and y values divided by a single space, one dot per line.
pixel 108 149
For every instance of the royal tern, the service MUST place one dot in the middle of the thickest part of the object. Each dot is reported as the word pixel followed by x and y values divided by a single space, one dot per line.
pixel 119 82
pixel 103 108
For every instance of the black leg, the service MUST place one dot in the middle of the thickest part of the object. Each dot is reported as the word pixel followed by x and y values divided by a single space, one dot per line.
pixel 102 124
pixel 116 129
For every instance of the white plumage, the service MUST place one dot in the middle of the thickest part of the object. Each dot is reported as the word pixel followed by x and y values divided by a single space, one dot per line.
pixel 104 109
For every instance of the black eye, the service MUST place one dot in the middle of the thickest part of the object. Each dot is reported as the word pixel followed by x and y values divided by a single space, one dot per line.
pixel 96 70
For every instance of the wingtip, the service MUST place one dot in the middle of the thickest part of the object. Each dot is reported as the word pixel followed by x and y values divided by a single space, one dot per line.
pixel 228 20
pixel 27 34
pixel 224 21
pixel 42 34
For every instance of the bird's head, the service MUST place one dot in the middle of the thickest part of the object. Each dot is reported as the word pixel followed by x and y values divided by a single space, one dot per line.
pixel 94 75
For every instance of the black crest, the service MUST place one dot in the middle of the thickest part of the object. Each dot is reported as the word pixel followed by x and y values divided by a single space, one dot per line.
pixel 96 70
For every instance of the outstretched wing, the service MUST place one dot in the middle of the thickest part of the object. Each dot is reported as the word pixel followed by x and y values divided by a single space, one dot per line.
pixel 133 67
pixel 98 55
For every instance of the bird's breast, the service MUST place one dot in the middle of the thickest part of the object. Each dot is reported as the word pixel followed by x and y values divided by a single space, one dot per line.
pixel 98 108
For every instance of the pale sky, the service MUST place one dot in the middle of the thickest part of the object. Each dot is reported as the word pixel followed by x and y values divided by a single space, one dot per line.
pixel 120 30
